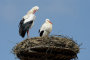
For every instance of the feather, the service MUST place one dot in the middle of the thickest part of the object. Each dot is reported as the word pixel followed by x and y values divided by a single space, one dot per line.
pixel 21 28
pixel 41 33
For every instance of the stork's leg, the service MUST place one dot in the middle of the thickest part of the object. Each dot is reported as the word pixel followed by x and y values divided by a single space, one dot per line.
pixel 28 34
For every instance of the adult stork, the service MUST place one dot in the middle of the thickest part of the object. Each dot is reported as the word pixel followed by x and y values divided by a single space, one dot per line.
pixel 46 28
pixel 27 22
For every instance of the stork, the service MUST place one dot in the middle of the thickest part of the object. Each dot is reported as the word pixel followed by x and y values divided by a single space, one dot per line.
pixel 27 22
pixel 46 28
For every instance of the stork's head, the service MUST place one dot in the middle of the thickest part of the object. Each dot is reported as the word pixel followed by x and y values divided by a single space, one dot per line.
pixel 47 20
pixel 34 9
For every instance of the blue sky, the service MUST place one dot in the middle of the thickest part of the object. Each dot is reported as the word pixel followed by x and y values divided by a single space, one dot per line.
pixel 69 17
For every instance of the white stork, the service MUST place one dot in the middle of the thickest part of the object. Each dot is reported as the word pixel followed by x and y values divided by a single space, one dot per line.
pixel 27 22
pixel 46 28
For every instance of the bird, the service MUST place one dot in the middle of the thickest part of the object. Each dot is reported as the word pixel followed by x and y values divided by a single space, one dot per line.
pixel 46 28
pixel 27 22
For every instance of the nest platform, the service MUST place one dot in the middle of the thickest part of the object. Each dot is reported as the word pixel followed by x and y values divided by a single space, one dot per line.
pixel 46 48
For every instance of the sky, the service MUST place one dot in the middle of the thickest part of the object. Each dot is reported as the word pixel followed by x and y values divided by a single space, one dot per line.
pixel 69 17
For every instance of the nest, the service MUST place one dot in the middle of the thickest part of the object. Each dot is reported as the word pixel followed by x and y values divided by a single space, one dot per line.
pixel 47 48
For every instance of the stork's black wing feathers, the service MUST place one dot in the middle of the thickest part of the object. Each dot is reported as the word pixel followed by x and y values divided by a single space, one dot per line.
pixel 31 22
pixel 22 32
pixel 21 28
pixel 41 33
pixel 21 22
pixel 28 25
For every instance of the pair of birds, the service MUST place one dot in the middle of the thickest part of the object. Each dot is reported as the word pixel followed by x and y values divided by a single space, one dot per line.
pixel 28 21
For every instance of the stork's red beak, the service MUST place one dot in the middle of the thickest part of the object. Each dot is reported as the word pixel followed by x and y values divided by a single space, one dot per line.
pixel 50 22
pixel 34 11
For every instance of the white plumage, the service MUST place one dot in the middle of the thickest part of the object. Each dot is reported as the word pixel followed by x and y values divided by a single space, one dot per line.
pixel 46 28
pixel 27 22
pixel 30 18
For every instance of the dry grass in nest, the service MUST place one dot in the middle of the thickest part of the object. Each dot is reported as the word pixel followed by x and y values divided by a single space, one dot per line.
pixel 47 48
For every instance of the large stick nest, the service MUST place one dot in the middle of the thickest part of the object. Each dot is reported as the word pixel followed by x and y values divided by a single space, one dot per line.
pixel 47 48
